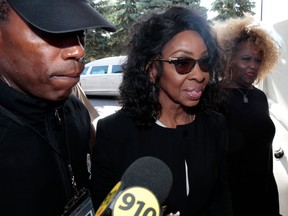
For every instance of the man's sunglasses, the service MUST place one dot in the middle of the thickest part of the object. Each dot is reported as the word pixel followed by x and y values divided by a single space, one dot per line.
pixel 185 65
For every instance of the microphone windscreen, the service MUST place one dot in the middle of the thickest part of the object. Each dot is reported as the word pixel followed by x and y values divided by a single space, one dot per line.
pixel 151 173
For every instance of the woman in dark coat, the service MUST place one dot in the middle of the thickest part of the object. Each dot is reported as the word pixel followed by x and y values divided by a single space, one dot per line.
pixel 167 84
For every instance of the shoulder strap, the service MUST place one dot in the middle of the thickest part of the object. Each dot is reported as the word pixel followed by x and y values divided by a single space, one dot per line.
pixel 22 123
pixel 11 115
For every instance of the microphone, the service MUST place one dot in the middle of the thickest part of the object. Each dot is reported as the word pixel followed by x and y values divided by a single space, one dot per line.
pixel 143 187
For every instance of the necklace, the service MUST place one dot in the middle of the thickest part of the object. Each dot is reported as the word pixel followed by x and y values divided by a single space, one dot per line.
pixel 245 99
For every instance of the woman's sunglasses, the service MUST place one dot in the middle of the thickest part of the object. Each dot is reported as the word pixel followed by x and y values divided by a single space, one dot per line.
pixel 185 65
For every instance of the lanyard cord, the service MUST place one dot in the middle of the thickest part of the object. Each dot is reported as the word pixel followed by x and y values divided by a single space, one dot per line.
pixel 73 181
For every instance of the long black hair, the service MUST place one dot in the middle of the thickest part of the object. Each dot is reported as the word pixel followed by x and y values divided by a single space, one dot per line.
pixel 138 95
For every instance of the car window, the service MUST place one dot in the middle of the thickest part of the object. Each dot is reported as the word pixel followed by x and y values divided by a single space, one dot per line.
pixel 84 71
pixel 117 69
pixel 99 69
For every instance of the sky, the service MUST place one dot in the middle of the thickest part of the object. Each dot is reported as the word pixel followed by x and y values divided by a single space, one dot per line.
pixel 273 10
pixel 207 4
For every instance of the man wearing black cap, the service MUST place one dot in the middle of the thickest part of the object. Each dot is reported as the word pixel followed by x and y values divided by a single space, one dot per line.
pixel 44 131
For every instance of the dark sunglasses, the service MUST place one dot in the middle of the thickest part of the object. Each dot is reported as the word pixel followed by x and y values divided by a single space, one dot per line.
pixel 185 65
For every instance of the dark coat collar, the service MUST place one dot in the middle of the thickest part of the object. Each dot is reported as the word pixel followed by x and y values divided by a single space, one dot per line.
pixel 24 105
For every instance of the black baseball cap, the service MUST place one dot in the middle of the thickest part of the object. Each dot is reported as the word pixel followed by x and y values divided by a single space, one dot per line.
pixel 60 16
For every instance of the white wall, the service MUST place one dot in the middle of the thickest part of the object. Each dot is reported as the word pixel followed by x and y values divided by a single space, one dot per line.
pixel 275 18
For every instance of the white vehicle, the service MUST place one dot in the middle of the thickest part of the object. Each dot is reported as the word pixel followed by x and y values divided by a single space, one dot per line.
pixel 102 76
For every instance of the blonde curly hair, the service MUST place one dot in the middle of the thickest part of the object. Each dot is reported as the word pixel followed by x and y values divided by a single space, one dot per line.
pixel 235 30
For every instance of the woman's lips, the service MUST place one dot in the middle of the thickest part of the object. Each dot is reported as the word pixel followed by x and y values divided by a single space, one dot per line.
pixel 193 94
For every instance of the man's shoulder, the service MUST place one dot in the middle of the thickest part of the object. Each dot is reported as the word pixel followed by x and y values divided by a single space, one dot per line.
pixel 72 102
pixel 74 107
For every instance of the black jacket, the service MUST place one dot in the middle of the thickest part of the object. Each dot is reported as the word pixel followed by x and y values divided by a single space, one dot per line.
pixel 201 144
pixel 34 135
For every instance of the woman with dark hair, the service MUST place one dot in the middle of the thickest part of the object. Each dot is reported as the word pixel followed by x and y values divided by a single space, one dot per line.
pixel 168 83
pixel 249 53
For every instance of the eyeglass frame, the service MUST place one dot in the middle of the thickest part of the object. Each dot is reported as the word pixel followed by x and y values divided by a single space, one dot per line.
pixel 173 60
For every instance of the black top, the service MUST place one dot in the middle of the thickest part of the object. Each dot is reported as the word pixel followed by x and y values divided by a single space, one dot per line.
pixel 33 152
pixel 202 144
pixel 250 167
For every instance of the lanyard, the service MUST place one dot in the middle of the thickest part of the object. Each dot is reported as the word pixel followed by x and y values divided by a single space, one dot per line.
pixel 73 181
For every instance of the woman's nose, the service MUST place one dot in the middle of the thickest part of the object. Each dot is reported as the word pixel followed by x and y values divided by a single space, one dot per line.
pixel 197 74
pixel 254 63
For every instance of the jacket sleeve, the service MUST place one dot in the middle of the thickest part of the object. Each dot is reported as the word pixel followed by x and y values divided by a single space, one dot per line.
pixel 103 175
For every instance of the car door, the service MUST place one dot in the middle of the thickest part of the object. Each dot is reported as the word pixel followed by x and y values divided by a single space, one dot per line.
pixel 115 79
pixel 95 82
